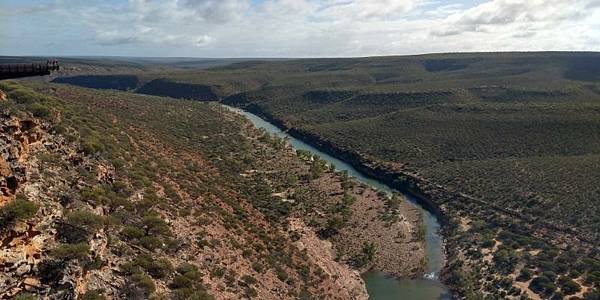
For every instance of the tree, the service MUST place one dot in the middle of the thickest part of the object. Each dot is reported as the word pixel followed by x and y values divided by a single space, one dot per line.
pixel 369 250
pixel 154 225
pixel 505 260
pixel 525 275
pixel 17 210
pixel 570 287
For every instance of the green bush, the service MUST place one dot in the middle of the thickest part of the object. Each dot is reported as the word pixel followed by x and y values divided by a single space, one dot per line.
pixel 91 146
pixel 592 295
pixel 550 275
pixel 138 286
pixel 79 225
pixel 24 96
pixel 39 110
pixel 570 287
pixel 188 270
pixel 70 251
pixel 17 210
pixel 281 274
pixel 25 296
pixel 258 267
pixel 88 220
pixel 92 295
pixel 249 280
pixel 505 260
pixel 525 275
pixel 159 268
pixel 421 232
pixel 151 243
pixel 132 232
pixel 154 225
pixel 181 282
pixel 368 250
pixel 186 284
pixel 335 223
pixel 542 285
pixel 217 272
pixel 488 243
pixel 191 294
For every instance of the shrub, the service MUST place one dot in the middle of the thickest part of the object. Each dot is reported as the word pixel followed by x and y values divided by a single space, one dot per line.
pixel 181 282
pixel 251 292
pixel 187 268
pixel 24 96
pixel 72 234
pixel 570 287
pixel 92 295
pixel 159 268
pixel 542 284
pixel 39 110
pixel 249 279
pixel 25 296
pixel 217 272
pixel 51 271
pixel 91 146
pixel 186 285
pixel 70 251
pixel 132 232
pixel 258 267
pixel 421 232
pixel 281 274
pixel 369 251
pixel 592 295
pixel 505 260
pixel 525 275
pixel 550 275
pixel 17 210
pixel 139 286
pixel 335 223
pixel 85 219
pixel 154 225
pixel 488 243
pixel 79 226
pixel 151 243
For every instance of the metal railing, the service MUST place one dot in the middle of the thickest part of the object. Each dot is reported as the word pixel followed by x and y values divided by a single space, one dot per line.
pixel 8 71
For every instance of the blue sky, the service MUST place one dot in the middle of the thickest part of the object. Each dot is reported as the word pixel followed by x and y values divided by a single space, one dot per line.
pixel 294 28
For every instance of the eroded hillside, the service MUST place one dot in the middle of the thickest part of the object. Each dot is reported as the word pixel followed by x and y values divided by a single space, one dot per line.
pixel 503 146
pixel 109 194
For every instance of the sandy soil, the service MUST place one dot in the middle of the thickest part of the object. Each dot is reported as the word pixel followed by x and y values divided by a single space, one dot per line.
pixel 399 252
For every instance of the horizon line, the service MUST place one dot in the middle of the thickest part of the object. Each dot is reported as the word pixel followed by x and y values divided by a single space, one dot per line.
pixel 303 57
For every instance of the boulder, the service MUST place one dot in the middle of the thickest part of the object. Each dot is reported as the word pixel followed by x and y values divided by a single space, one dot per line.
pixel 3 96
pixel 5 170
pixel 32 283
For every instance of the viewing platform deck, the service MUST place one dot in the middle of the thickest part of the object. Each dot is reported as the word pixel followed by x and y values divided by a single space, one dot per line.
pixel 10 71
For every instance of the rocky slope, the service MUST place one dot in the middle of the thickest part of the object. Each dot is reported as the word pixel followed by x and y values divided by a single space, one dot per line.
pixel 113 195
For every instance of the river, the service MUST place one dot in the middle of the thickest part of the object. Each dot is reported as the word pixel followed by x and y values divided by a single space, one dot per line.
pixel 379 286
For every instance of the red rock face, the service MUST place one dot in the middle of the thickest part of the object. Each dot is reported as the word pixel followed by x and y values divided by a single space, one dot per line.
pixel 4 168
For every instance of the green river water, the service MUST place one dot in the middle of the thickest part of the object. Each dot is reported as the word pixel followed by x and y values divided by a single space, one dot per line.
pixel 379 286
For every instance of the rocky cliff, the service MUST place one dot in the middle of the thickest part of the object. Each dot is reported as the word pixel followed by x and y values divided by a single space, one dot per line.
pixel 104 196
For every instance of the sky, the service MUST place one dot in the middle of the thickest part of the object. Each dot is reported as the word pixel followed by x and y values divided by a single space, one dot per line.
pixel 294 28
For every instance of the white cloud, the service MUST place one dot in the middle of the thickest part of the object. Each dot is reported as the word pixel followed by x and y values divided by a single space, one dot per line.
pixel 220 11
pixel 294 28
pixel 499 15
pixel 369 9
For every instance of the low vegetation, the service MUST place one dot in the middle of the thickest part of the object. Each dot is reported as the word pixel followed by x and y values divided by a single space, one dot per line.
pixel 137 205
pixel 507 145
